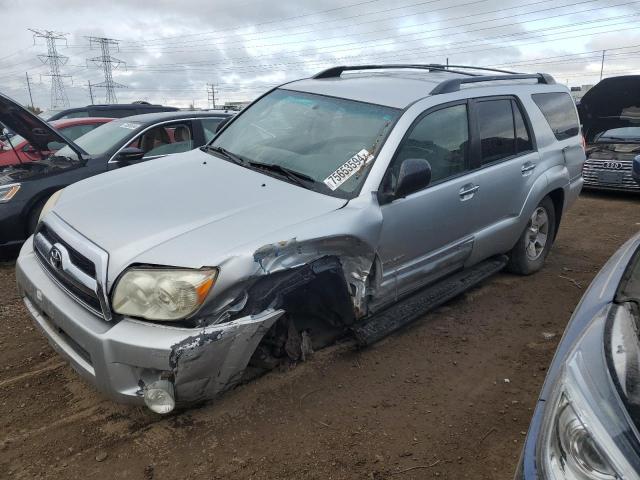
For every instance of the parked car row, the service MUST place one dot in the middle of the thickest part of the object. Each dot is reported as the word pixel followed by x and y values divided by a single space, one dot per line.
pixel 349 203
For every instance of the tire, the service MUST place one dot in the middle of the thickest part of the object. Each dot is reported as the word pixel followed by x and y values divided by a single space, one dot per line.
pixel 532 248
pixel 34 215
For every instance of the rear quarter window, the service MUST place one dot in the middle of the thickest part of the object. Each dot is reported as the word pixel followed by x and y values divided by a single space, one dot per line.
pixel 559 111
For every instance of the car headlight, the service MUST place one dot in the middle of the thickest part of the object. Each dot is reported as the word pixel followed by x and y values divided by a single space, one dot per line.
pixel 164 294
pixel 48 206
pixel 587 433
pixel 7 192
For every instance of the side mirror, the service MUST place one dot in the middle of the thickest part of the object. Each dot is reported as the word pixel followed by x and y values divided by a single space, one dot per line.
pixel 129 155
pixel 635 171
pixel 222 124
pixel 415 174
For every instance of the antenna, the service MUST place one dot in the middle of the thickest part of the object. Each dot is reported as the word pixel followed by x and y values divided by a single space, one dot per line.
pixel 107 63
pixel 55 61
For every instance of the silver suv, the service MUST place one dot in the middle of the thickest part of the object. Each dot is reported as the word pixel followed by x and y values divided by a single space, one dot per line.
pixel 348 203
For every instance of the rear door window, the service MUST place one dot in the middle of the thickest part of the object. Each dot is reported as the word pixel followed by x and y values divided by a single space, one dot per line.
pixel 497 130
pixel 560 112
pixel 523 139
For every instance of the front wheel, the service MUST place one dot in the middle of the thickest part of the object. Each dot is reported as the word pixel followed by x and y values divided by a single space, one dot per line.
pixel 533 246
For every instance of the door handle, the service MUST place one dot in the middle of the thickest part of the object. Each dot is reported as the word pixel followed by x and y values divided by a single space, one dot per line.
pixel 468 191
pixel 527 168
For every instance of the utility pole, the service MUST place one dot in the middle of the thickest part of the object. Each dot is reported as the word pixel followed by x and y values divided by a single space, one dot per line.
pixel 29 88
pixel 211 95
pixel 107 63
pixel 55 61
pixel 602 65
pixel 90 91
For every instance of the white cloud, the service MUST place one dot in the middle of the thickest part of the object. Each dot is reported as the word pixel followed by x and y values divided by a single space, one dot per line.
pixel 174 49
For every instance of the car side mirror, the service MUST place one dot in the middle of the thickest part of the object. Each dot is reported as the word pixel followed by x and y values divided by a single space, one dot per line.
pixel 415 174
pixel 635 171
pixel 129 155
pixel 222 124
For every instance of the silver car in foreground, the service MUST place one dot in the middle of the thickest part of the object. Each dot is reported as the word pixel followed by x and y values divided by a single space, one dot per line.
pixel 348 203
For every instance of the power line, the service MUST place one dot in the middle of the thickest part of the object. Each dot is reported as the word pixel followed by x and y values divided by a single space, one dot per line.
pixel 107 63
pixel 282 20
pixel 175 48
pixel 55 61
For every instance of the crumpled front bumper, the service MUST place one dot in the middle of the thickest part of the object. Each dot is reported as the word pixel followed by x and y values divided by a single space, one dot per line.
pixel 122 356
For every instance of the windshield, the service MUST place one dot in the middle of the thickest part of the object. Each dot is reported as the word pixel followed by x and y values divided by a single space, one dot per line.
pixel 103 138
pixel 330 142
pixel 624 133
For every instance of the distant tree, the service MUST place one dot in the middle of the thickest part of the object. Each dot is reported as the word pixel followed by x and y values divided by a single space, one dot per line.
pixel 34 110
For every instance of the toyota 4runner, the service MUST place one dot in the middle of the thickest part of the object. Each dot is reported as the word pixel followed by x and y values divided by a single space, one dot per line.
pixel 348 203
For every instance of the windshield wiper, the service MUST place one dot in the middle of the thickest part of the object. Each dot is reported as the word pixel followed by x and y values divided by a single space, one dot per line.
pixel 299 178
pixel 227 154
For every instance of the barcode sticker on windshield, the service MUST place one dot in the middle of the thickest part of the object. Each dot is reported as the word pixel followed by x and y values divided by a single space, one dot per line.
pixel 348 169
pixel 130 126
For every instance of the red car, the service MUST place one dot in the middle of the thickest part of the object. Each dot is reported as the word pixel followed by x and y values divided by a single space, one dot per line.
pixel 71 128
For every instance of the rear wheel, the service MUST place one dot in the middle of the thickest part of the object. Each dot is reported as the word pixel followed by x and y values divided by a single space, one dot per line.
pixel 533 246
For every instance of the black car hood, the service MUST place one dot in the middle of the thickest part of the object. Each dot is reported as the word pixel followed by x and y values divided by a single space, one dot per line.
pixel 36 131
pixel 612 103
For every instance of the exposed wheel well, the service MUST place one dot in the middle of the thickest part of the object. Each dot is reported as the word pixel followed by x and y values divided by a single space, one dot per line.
pixel 557 197
pixel 317 303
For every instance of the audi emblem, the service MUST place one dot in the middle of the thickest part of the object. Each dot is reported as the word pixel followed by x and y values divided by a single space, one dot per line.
pixel 55 258
pixel 613 165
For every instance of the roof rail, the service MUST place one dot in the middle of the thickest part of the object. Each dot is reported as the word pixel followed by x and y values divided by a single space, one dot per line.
pixel 335 72
pixel 484 69
pixel 453 84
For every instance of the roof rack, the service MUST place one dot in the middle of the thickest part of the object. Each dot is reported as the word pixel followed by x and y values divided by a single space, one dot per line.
pixel 446 86
pixel 453 84
pixel 335 72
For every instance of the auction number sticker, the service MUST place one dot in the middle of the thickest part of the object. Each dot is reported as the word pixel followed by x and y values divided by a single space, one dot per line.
pixel 348 169
pixel 130 126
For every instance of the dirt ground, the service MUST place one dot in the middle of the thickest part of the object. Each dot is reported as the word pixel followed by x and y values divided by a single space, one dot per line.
pixel 449 397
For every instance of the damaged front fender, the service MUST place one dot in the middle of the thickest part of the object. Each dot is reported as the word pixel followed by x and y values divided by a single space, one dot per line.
pixel 213 360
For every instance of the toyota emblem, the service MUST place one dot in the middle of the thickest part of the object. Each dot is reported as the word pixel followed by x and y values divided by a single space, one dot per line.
pixel 55 258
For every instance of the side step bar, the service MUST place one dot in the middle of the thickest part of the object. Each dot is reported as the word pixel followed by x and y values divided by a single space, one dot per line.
pixel 411 308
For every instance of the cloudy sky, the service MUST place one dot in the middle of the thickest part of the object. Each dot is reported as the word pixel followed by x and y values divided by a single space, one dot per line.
pixel 172 49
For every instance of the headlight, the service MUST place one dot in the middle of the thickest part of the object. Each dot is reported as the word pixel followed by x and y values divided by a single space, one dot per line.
pixel 587 433
pixel 53 199
pixel 162 293
pixel 7 192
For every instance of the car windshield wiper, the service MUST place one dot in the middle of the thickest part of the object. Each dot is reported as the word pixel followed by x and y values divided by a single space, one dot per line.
pixel 299 178
pixel 226 154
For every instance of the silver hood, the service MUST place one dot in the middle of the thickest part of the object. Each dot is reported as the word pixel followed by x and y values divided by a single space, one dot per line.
pixel 190 210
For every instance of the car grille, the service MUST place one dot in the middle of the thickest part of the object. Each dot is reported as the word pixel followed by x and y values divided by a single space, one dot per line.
pixel 73 271
pixel 601 173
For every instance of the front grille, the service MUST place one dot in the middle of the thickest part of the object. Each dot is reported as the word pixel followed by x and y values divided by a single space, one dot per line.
pixel 78 275
pixel 83 263
pixel 597 173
